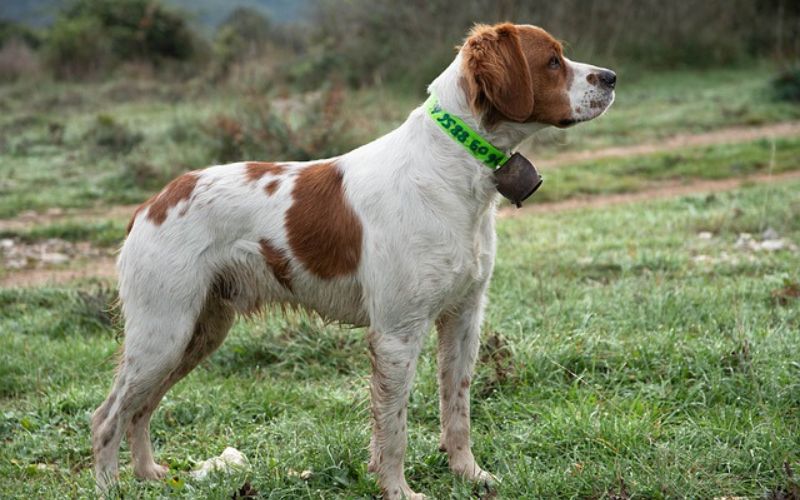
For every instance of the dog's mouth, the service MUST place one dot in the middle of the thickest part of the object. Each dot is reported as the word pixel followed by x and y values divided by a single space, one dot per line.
pixel 592 105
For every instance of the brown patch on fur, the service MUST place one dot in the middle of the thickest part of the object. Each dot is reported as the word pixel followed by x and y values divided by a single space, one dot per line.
pixel 278 262
pixel 323 231
pixel 136 214
pixel 254 170
pixel 272 187
pixel 108 435
pixel 178 190
pixel 509 75
pixel 592 79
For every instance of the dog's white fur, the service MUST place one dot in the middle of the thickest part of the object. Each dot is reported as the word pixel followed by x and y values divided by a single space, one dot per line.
pixel 427 211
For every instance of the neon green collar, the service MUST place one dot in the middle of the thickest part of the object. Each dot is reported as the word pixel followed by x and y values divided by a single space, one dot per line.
pixel 463 134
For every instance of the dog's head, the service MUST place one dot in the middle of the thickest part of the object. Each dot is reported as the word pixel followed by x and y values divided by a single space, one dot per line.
pixel 518 74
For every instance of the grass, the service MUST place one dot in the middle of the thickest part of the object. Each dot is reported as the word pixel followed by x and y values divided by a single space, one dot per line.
pixel 105 233
pixel 615 363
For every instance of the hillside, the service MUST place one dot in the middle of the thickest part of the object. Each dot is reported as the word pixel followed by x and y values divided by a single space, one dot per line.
pixel 206 13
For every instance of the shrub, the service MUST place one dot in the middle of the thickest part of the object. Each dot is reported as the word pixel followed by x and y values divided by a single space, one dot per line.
pixel 17 59
pixel 786 85
pixel 76 48
pixel 310 126
pixel 112 137
pixel 93 36
pixel 10 30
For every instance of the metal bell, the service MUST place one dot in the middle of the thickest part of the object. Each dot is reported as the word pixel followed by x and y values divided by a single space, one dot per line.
pixel 517 179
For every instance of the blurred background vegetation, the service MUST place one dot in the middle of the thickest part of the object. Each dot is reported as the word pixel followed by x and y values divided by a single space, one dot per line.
pixel 306 43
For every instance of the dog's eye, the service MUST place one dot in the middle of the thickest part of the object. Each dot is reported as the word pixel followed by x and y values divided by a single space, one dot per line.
pixel 554 63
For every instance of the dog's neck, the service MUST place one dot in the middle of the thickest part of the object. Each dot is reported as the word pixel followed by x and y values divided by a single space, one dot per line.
pixel 450 89
pixel 463 172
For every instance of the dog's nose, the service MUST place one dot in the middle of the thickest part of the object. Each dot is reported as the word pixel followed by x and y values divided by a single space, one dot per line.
pixel 608 78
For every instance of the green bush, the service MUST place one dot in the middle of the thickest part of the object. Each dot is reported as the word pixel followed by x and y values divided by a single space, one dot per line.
pixel 10 30
pixel 112 137
pixel 94 36
pixel 787 85
pixel 76 48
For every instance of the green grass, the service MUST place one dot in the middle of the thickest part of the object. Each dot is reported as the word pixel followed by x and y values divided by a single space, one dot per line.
pixel 106 233
pixel 622 361
pixel 118 142
pixel 620 175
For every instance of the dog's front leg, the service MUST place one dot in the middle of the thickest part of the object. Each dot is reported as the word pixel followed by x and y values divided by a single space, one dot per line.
pixel 459 337
pixel 393 354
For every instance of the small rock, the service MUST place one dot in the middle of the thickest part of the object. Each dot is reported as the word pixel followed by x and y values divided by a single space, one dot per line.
pixel 230 459
pixel 772 245
pixel 705 235
pixel 769 234
pixel 16 263
pixel 54 258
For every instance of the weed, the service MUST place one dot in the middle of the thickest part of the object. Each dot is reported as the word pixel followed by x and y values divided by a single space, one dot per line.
pixel 786 85
pixel 111 136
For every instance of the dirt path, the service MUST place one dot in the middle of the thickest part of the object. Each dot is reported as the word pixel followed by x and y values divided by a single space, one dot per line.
pixel 721 136
pixel 28 220
pixel 100 267
pixel 660 192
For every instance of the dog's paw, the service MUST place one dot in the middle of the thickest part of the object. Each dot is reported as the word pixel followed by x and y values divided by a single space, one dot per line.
pixel 471 471
pixel 153 472
pixel 402 494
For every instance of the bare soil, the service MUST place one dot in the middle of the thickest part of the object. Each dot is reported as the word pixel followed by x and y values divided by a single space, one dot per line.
pixel 97 268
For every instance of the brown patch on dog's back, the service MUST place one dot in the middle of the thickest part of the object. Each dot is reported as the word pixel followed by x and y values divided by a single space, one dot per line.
pixel 159 204
pixel 278 262
pixel 272 187
pixel 178 190
pixel 254 170
pixel 323 231
pixel 136 213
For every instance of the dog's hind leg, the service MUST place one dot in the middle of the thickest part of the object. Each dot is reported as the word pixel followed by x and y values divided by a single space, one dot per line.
pixel 210 331
pixel 159 326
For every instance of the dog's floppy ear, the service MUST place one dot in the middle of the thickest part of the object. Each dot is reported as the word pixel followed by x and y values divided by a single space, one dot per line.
pixel 496 71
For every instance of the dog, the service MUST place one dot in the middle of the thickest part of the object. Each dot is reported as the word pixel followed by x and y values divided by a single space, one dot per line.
pixel 397 236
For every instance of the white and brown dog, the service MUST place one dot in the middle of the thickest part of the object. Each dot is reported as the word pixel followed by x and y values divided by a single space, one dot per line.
pixel 396 235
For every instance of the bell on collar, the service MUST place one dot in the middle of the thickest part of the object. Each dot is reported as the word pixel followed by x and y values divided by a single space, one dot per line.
pixel 517 179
